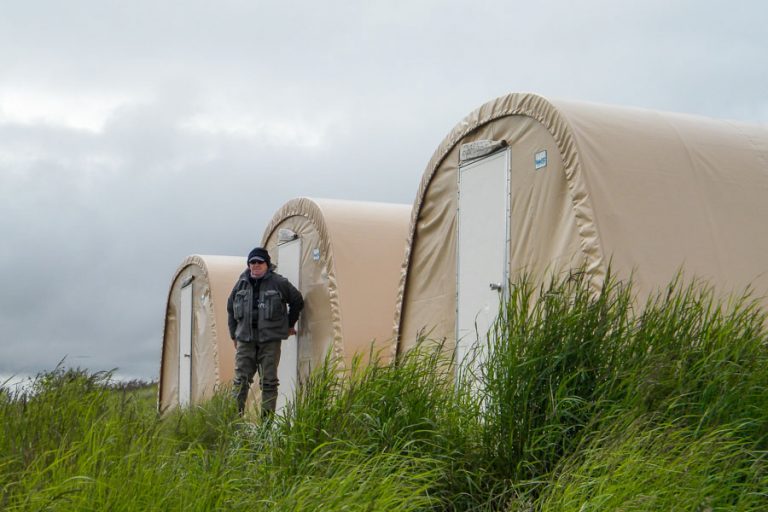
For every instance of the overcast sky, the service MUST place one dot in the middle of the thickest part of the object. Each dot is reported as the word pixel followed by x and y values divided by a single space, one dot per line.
pixel 133 134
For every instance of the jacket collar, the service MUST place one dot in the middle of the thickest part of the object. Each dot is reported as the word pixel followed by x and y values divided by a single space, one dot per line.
pixel 246 275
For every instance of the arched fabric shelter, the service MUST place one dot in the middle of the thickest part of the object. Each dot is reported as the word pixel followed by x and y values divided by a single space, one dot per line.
pixel 565 184
pixel 345 257
pixel 197 353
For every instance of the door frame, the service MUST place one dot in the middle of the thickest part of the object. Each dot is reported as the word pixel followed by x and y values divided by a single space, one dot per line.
pixel 489 166
pixel 186 328
pixel 288 368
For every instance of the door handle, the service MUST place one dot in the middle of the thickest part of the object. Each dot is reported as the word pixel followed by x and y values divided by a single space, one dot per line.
pixel 495 286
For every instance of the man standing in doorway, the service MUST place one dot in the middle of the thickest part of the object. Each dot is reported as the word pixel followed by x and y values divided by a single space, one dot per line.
pixel 263 309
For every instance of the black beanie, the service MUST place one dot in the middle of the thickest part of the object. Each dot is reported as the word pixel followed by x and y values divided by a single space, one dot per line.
pixel 260 254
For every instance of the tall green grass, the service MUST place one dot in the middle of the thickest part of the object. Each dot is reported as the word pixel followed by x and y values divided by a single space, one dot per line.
pixel 570 368
pixel 585 401
pixel 645 464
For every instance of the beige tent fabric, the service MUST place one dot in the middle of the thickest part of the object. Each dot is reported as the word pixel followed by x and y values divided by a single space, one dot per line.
pixel 349 274
pixel 650 192
pixel 351 255
pixel 212 349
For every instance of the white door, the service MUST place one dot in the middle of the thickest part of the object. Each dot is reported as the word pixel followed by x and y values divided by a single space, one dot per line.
pixel 289 261
pixel 481 252
pixel 185 344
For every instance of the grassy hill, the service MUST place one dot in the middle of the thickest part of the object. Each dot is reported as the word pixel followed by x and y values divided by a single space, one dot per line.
pixel 589 402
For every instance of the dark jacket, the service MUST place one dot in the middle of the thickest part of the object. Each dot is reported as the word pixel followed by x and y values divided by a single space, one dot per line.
pixel 263 309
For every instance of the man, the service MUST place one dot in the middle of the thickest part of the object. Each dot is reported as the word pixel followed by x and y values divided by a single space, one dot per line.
pixel 263 309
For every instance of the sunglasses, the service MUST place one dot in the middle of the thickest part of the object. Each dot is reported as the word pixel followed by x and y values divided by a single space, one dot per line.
pixel 256 262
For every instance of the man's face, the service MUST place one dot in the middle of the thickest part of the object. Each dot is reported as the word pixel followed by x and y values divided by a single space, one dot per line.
pixel 257 268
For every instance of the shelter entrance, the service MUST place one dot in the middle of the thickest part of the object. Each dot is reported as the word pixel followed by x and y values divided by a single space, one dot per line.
pixel 289 259
pixel 185 344
pixel 482 252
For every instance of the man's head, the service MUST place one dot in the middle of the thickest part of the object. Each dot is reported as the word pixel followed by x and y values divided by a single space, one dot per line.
pixel 258 262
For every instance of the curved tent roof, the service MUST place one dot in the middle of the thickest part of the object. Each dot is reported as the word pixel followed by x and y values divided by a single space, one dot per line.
pixel 211 352
pixel 650 192
pixel 350 260
pixel 351 255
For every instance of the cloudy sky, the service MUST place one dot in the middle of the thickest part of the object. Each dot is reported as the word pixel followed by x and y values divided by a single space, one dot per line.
pixel 133 134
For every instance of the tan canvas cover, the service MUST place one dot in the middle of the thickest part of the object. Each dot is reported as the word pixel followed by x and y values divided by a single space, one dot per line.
pixel 652 192
pixel 351 255
pixel 213 353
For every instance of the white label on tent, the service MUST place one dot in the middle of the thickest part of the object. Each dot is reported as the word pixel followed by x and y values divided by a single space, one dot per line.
pixel 316 254
pixel 540 159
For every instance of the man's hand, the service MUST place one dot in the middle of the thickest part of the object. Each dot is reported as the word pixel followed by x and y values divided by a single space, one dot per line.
pixel 291 331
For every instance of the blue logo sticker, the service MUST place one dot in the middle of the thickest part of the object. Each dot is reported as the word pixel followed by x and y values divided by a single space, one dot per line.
pixel 540 159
